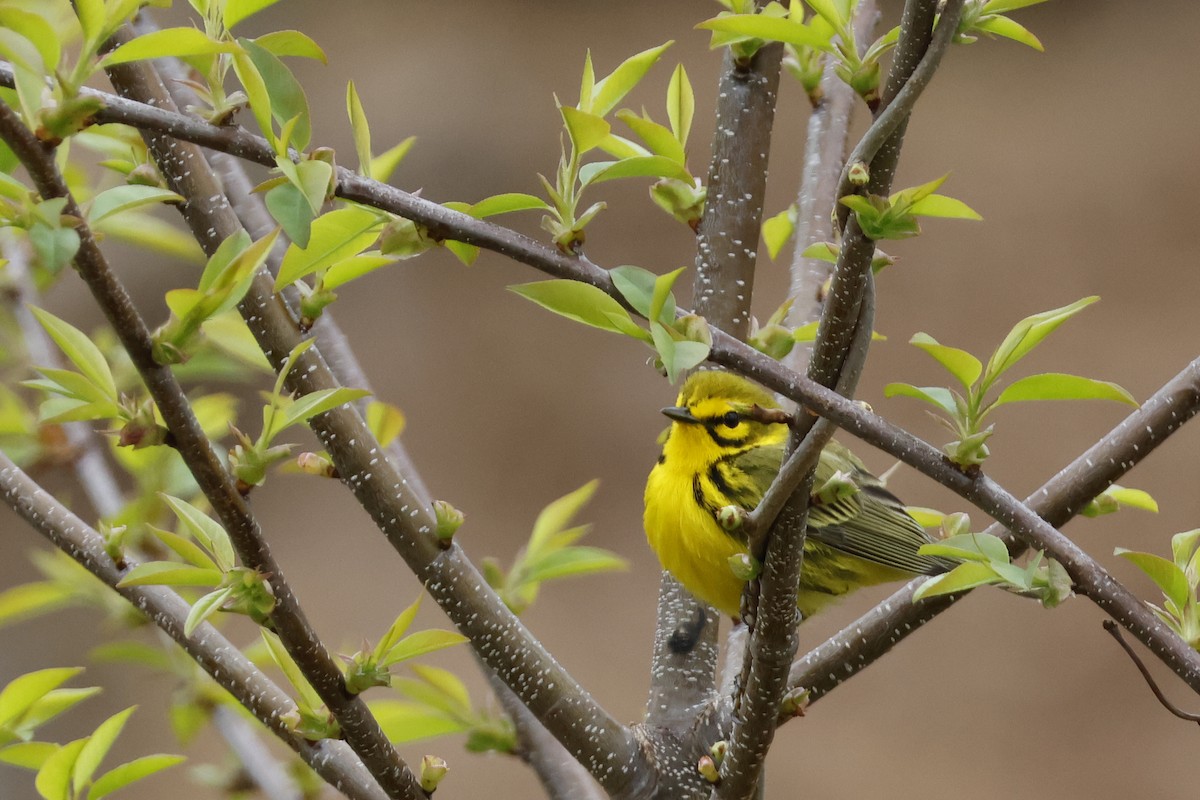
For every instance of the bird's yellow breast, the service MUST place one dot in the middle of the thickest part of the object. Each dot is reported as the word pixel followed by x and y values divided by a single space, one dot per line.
pixel 688 541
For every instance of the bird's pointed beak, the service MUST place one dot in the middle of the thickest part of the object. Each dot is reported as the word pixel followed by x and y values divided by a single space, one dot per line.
pixel 679 414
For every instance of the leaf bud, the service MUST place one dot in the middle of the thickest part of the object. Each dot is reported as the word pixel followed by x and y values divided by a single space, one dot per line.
pixel 433 769
pixel 745 567
pixel 859 175
pixel 708 769
pixel 794 702
pixel 316 464
pixel 731 518
pixel 718 751
pixel 449 520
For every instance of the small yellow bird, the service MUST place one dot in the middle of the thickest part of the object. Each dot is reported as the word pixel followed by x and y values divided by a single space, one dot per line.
pixel 717 454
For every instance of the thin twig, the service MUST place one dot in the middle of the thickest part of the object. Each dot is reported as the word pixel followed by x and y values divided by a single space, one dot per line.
pixel 824 154
pixel 336 763
pixel 1115 630
pixel 257 762
pixel 358 725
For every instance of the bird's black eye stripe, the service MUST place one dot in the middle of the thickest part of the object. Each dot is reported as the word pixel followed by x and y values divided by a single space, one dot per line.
pixel 731 419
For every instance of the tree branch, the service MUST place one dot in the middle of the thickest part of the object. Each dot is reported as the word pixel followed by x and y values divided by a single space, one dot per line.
pixel 683 674
pixel 605 747
pixel 824 155
pixel 336 763
pixel 358 725
pixel 1115 630
pixel 864 641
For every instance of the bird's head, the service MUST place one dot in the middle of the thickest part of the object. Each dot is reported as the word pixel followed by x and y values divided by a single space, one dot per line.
pixel 719 411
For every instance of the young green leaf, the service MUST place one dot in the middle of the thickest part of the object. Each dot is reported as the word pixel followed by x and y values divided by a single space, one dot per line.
pixel 934 395
pixel 291 43
pixel 611 90
pixel 1009 29
pixel 581 302
pixel 206 530
pixel 967 575
pixel 339 234
pixel 681 104
pixel 1060 386
pixel 169 42
pixel 170 573
pixel 1028 334
pixel 205 607
pixel 965 367
pixel 81 351
pixel 22 692
pixel 360 128
pixel 127 197
pixel 585 130
pixel 420 643
pixel 131 772
pixel 234 11
pixel 287 99
pixel 776 230
pixel 1165 574
pixel 775 29
pixel 53 781
pixel 97 747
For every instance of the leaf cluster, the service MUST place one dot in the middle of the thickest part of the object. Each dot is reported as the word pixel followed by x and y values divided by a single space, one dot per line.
pixel 1179 581
pixel 964 409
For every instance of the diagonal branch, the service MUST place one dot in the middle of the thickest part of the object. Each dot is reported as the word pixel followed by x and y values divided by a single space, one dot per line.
pixel 336 763
pixel 358 725
pixel 604 746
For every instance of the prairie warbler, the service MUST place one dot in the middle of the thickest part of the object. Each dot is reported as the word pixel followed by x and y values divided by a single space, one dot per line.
pixel 718 454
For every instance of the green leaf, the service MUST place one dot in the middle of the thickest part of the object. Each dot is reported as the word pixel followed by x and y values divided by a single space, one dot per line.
pixel 659 139
pixel 574 300
pixel 97 747
pixel 397 629
pixel 1028 334
pixel 962 365
pixel 186 549
pixel 677 356
pixel 662 302
pixel 969 547
pixel 1009 29
pixel 133 653
pixel 81 351
pixel 130 772
pixel 404 722
pixel 169 42
pixel 314 403
pixel 1060 386
pixel 419 644
pixel 206 530
pixel 934 395
pixel 291 43
pixel 169 573
pixel 1134 498
pixel 446 684
pixel 360 128
pixel 237 10
pixel 384 164
pixel 1183 546
pixel 611 90
pixel 775 29
pixel 585 130
pixel 1165 574
pixel 939 205
pixel 830 11
pixel 292 209
pixel 127 197
pixel 354 267
pixel 53 781
pixel 37 31
pixel 507 203
pixel 633 167
pixel 337 235
pixel 636 285
pixel 385 421
pixel 577 560
pixel 279 654
pixel 967 575
pixel 681 104
pixel 28 755
pixel 30 600
pixel 22 692
pixel 258 95
pixel 557 515
pixel 778 229
pixel 288 101
pixel 204 608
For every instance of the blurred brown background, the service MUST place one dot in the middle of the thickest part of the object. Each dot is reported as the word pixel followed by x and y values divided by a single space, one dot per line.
pixel 1083 161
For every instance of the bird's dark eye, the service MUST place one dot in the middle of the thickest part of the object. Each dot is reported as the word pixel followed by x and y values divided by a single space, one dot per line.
pixel 731 419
